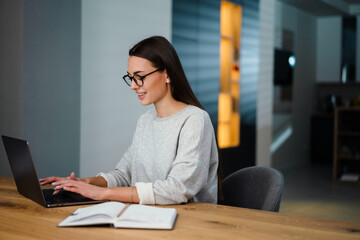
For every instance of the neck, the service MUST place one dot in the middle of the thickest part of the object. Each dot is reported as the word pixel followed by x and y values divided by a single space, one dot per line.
pixel 168 108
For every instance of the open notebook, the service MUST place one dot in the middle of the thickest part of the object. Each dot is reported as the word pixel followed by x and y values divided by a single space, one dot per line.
pixel 120 215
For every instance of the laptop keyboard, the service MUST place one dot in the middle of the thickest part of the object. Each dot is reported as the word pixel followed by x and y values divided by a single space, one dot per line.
pixel 63 197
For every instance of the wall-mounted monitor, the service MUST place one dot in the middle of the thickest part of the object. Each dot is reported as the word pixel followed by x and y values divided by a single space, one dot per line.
pixel 284 64
pixel 348 49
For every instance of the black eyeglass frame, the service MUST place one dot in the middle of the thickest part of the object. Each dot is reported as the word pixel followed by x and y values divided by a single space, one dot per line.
pixel 141 78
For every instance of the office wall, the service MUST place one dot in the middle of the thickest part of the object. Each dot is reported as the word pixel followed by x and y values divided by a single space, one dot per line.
pixel 295 151
pixel 265 86
pixel 328 49
pixel 11 20
pixel 40 81
pixel 109 109
pixel 51 84
pixel 328 59
pixel 61 85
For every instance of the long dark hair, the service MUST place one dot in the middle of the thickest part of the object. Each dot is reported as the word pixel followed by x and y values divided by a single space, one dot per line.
pixel 159 51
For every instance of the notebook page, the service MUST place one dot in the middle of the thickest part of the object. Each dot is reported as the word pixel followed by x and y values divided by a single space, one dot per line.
pixel 110 209
pixel 148 214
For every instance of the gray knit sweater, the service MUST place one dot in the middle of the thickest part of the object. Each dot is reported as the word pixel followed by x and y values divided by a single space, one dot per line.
pixel 171 160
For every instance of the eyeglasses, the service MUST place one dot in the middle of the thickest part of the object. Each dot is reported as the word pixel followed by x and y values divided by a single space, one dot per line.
pixel 139 80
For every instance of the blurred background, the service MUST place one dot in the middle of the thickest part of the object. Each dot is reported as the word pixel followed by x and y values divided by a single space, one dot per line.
pixel 279 78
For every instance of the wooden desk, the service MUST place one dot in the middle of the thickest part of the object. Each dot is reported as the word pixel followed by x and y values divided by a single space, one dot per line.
pixel 21 218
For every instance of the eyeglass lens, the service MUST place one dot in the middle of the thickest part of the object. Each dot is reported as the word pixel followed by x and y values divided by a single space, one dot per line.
pixel 139 80
pixel 136 78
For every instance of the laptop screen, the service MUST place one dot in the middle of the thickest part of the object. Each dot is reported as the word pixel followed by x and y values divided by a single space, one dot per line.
pixel 26 179
pixel 22 167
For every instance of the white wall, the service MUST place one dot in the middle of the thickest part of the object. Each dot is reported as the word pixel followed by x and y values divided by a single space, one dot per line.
pixel 328 49
pixel 265 89
pixel 109 109
pixel 295 151
pixel 328 58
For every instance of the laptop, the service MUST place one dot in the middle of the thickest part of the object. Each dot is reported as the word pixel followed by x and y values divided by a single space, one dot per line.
pixel 26 179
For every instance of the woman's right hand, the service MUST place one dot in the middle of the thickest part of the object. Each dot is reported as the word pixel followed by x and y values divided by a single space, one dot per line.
pixel 97 181
pixel 53 179
pixel 49 180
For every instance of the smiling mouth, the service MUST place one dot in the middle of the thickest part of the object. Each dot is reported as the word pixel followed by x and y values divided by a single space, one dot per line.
pixel 141 95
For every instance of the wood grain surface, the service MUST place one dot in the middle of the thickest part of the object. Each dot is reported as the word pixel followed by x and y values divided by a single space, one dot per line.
pixel 21 218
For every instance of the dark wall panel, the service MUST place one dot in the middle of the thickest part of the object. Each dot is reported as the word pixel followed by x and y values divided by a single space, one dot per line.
pixel 196 37
pixel 51 84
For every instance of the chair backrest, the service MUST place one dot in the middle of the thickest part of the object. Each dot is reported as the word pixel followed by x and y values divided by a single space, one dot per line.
pixel 254 187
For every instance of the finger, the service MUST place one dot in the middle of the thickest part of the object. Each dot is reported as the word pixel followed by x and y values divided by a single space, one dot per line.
pixel 72 176
pixel 66 183
pixel 61 181
pixel 72 189
pixel 56 192
pixel 48 180
pixel 58 183
pixel 74 186
pixel 58 188
pixel 44 179
pixel 43 183
pixel 55 183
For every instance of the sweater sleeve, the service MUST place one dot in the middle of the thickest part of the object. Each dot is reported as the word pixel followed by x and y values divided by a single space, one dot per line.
pixel 190 169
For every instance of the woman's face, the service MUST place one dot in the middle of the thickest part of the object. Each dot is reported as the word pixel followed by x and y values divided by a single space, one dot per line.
pixel 155 88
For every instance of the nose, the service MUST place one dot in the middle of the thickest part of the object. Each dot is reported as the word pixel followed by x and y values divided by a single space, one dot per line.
pixel 133 85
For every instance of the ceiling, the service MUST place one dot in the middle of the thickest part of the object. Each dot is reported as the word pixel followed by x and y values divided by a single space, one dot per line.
pixel 326 7
pixel 352 1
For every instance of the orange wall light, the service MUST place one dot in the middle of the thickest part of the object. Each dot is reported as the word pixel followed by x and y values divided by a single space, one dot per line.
pixel 229 96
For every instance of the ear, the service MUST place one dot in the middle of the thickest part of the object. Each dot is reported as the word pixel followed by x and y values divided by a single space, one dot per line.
pixel 167 77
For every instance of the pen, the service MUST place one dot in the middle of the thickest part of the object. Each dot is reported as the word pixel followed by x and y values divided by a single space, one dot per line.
pixel 123 210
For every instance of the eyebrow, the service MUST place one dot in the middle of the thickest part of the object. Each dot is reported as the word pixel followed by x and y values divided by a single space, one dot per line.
pixel 135 72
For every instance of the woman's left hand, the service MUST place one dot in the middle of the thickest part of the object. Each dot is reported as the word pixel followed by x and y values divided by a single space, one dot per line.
pixel 80 187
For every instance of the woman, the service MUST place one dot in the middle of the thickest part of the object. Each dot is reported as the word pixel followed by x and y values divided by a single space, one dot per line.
pixel 173 157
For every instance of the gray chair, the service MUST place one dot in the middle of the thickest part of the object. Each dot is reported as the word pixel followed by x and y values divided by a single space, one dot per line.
pixel 255 188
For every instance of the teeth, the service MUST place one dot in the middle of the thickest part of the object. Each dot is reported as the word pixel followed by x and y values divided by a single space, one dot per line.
pixel 141 94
